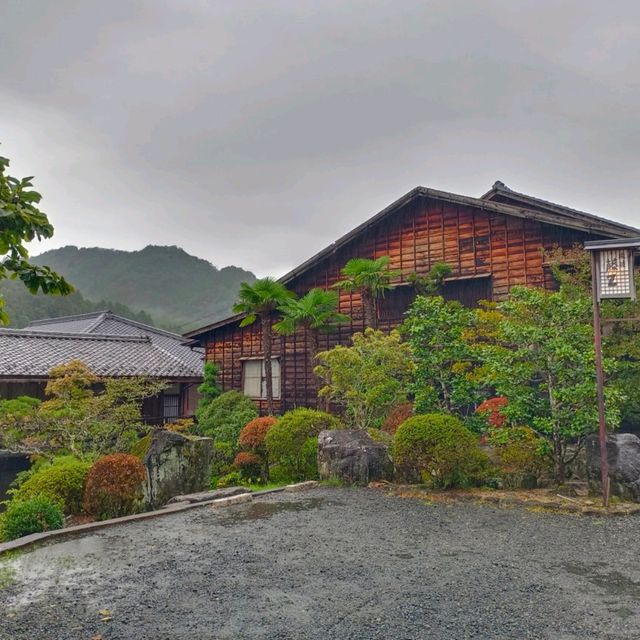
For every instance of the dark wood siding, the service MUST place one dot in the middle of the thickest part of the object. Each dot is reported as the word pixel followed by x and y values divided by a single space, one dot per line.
pixel 489 253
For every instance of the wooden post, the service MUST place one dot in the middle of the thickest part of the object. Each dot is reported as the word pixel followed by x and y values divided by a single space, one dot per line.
pixel 597 340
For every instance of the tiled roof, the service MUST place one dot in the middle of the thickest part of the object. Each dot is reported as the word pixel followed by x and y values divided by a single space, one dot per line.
pixel 109 345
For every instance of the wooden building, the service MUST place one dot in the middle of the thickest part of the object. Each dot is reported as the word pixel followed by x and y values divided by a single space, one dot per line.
pixel 492 243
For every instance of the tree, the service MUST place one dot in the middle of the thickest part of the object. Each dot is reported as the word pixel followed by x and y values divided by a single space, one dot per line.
pixel 79 420
pixel 367 379
pixel 21 222
pixel 439 332
pixel 209 390
pixel 542 361
pixel 432 283
pixel 261 300
pixel 316 311
pixel 370 278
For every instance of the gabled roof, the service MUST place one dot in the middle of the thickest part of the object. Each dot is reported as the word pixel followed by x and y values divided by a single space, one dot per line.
pixel 108 344
pixel 549 214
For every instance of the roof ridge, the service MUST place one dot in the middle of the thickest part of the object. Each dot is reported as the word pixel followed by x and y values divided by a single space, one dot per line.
pixel 77 316
pixel 142 325
pixel 25 333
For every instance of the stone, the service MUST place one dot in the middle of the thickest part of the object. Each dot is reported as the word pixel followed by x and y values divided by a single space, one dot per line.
pixel 231 500
pixel 301 486
pixel 353 457
pixel 176 465
pixel 623 455
pixel 206 496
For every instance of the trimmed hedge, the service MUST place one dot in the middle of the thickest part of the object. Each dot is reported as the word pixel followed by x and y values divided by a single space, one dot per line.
pixel 31 516
pixel 114 486
pixel 292 443
pixel 438 449
pixel 62 482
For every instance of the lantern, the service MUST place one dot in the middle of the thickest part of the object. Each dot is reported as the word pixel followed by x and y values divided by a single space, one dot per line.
pixel 614 268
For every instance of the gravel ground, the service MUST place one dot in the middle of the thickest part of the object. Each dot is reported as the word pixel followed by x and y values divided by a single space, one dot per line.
pixel 332 563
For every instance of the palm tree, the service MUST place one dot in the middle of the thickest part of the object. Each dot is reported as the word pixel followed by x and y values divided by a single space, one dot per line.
pixel 261 300
pixel 316 311
pixel 370 278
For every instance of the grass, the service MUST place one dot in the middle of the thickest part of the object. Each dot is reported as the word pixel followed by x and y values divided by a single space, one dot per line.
pixel 7 577
pixel 267 486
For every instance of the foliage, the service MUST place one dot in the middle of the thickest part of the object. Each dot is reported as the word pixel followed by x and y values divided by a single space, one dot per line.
pixel 430 284
pixel 253 438
pixel 61 482
pixel 141 446
pixel 521 453
pixel 114 486
pixel 261 300
pixel 250 466
pixel 180 425
pixel 368 378
pixel 223 455
pixel 31 516
pixel 231 479
pixel 21 222
pixel 293 441
pixel 371 279
pixel 542 362
pixel 176 289
pixel 492 411
pixel 78 420
pixel 225 416
pixel 209 390
pixel 15 415
pixel 438 332
pixel 398 414
pixel 438 449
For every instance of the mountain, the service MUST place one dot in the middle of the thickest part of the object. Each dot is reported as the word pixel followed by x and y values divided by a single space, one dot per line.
pixel 177 290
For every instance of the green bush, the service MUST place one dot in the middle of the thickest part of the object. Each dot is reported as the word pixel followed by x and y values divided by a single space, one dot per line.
pixel 141 446
pixel 523 455
pixel 61 482
pixel 229 480
pixel 225 416
pixel 292 443
pixel 31 516
pixel 438 449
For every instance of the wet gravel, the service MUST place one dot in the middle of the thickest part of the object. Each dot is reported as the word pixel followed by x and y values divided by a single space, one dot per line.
pixel 332 563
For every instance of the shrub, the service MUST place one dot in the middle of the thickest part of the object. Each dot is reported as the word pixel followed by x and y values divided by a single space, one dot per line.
pixel 31 516
pixel 522 455
pixel 253 434
pixel 223 454
pixel 224 417
pixel 141 446
pixel 438 449
pixel 398 414
pixel 292 442
pixel 61 482
pixel 114 486
pixel 230 480
pixel 491 410
pixel 249 465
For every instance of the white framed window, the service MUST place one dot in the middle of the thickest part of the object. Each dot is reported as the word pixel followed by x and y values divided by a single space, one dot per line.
pixel 254 382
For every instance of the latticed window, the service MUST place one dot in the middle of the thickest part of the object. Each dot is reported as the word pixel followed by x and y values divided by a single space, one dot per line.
pixel 254 382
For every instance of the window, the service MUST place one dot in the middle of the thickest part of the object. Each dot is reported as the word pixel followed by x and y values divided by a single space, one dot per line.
pixel 254 382
pixel 396 302
pixel 170 407
pixel 468 291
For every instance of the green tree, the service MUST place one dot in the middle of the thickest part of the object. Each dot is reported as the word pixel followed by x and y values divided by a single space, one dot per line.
pixel 542 361
pixel 439 332
pixel 209 390
pixel 432 283
pixel 20 222
pixel 368 378
pixel 261 300
pixel 315 312
pixel 370 278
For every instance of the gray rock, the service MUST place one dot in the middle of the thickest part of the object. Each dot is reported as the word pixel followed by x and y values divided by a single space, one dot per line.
pixel 176 465
pixel 623 455
pixel 353 457
pixel 205 496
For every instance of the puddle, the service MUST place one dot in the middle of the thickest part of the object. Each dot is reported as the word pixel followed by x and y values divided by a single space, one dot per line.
pixel 53 566
pixel 263 510
pixel 613 583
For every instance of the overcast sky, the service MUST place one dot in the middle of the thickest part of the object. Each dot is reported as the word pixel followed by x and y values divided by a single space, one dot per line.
pixel 255 133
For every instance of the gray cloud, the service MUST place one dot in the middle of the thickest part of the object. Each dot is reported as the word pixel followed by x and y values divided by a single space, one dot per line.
pixel 256 133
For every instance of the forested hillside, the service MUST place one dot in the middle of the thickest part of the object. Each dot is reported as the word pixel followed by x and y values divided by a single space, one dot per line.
pixel 175 290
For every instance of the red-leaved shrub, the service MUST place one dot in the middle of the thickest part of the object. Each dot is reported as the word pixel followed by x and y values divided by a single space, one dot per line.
pixel 397 416
pixel 491 409
pixel 253 433
pixel 250 465
pixel 114 486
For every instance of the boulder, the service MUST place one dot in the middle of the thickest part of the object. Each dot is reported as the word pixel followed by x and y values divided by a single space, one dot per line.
pixel 353 457
pixel 176 465
pixel 623 455
pixel 207 496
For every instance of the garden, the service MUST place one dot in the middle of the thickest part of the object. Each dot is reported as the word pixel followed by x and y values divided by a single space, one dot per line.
pixel 501 396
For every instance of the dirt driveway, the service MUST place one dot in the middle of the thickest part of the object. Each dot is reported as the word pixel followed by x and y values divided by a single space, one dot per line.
pixel 332 563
